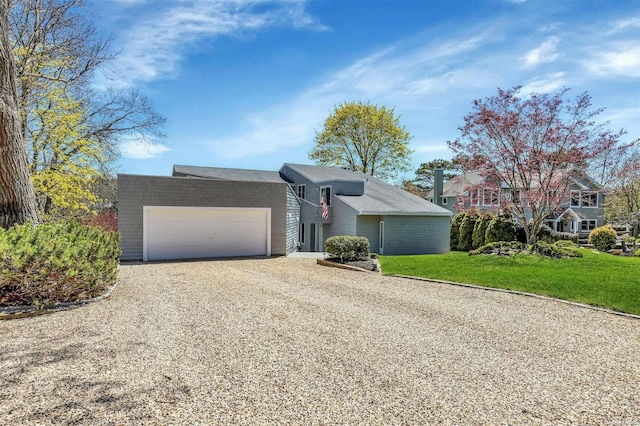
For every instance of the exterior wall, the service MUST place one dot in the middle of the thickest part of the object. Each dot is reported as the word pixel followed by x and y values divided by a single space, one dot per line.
pixel 292 220
pixel 344 187
pixel 135 191
pixel 343 221
pixel 369 226
pixel 416 234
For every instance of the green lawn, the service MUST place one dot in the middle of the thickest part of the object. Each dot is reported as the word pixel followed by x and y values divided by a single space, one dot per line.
pixel 598 279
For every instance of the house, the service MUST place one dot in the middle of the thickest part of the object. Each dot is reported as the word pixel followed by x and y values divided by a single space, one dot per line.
pixel 201 212
pixel 581 211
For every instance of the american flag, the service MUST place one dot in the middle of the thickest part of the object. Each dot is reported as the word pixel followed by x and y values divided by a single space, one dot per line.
pixel 325 209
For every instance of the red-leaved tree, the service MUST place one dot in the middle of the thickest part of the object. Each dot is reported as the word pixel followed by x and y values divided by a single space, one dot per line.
pixel 533 144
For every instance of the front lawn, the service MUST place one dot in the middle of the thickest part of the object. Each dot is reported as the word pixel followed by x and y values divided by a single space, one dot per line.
pixel 598 279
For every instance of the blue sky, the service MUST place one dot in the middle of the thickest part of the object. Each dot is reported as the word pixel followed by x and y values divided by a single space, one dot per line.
pixel 247 83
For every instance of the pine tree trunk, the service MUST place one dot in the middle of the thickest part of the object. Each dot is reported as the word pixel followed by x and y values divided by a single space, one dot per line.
pixel 17 198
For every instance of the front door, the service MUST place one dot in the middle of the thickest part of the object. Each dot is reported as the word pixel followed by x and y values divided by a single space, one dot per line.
pixel 312 237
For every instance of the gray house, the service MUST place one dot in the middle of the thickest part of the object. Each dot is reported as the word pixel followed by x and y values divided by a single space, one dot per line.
pixel 204 212
pixel 581 211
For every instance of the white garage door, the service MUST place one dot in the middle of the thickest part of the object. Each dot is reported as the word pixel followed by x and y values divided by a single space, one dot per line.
pixel 200 232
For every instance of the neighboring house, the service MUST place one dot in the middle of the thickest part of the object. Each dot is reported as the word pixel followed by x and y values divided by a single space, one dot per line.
pixel 581 212
pixel 217 212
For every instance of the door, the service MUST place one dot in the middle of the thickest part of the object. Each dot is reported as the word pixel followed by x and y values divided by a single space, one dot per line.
pixel 381 238
pixel 312 237
pixel 202 232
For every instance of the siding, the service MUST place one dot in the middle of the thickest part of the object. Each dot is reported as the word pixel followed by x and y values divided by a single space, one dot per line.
pixel 135 191
pixel 416 234
pixel 342 218
pixel 293 220
pixel 369 226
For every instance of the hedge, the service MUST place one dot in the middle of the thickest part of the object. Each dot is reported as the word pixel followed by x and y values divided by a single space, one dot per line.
pixel 56 262
pixel 348 247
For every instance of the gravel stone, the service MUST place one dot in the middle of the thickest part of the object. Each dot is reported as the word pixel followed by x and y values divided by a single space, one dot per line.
pixel 286 341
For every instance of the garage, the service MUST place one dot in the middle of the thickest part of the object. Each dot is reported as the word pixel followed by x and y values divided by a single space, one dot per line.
pixel 172 232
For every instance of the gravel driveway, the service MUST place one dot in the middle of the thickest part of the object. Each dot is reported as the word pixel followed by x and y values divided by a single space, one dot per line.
pixel 287 341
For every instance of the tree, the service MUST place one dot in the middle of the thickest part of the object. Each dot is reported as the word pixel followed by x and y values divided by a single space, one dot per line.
pixel 363 137
pixel 17 198
pixel 623 200
pixel 72 131
pixel 533 143
pixel 424 173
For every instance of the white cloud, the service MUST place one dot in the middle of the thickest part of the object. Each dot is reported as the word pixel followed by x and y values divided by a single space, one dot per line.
pixel 142 149
pixel 545 53
pixel 549 83
pixel 630 23
pixel 621 59
pixel 154 46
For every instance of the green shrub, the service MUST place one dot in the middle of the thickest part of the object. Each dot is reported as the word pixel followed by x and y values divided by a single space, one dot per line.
pixel 603 238
pixel 558 250
pixel 455 230
pixel 502 248
pixel 465 242
pixel 480 229
pixel 348 248
pixel 500 228
pixel 56 262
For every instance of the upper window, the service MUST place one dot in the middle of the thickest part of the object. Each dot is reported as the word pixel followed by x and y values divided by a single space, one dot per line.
pixel 584 199
pixel 490 198
pixel 575 198
pixel 445 200
pixel 325 192
pixel 589 199
pixel 475 197
pixel 302 191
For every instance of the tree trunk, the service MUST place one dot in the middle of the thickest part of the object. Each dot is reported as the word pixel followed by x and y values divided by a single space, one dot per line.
pixel 17 198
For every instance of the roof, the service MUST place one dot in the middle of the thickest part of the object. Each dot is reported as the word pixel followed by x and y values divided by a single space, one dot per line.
pixel 379 198
pixel 244 175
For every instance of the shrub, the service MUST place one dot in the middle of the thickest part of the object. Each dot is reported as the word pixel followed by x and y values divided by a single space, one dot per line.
pixel 348 248
pixel 500 228
pixel 56 262
pixel 465 242
pixel 502 248
pixel 455 230
pixel 480 229
pixel 560 249
pixel 603 238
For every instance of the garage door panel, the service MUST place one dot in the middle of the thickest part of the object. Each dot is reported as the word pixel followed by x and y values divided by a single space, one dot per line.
pixel 184 232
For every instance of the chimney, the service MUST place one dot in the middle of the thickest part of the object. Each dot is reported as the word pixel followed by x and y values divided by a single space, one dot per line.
pixel 438 184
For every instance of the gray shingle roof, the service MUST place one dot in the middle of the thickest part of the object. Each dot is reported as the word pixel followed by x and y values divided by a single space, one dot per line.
pixel 379 197
pixel 228 174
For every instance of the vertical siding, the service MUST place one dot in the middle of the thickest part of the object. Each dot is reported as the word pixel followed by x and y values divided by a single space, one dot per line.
pixel 292 220
pixel 416 234
pixel 369 226
pixel 136 191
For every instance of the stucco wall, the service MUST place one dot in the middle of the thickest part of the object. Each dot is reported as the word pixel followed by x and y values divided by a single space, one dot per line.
pixel 136 191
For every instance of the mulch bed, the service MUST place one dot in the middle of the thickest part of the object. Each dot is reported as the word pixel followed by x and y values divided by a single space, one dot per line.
pixel 369 264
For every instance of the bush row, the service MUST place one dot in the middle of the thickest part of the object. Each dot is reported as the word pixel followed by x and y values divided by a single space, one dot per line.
pixel 559 249
pixel 56 262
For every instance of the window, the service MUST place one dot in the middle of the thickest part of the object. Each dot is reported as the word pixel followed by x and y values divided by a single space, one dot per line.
pixel 301 235
pixel 490 198
pixel 589 199
pixel 301 190
pixel 575 198
pixel 325 192
pixel 475 197
pixel 444 200
pixel 588 225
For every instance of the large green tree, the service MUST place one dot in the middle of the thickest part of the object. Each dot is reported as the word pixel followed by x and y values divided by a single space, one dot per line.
pixel 17 199
pixel 364 137
pixel 72 131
